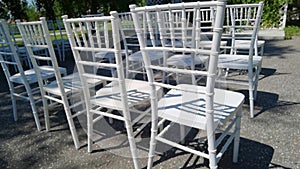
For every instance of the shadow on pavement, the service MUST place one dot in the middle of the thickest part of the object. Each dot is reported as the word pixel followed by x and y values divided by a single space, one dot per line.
pixel 252 155
pixel 266 101
pixel 278 48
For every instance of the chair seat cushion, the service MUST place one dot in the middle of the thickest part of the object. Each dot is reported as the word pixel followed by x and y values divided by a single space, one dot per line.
pixel 110 95
pixel 237 61
pixel 110 55
pixel 183 61
pixel 206 44
pixel 245 44
pixel 153 55
pixel 188 108
pixel 71 84
pixel 31 75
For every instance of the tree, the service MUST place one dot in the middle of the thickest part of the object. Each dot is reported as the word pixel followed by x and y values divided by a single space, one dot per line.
pixel 32 13
pixel 3 10
pixel 46 8
pixel 17 8
pixel 75 8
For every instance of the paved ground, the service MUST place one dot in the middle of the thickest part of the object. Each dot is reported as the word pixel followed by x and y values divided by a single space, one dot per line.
pixel 270 140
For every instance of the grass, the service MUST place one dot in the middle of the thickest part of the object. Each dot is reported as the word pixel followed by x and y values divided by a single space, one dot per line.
pixel 291 31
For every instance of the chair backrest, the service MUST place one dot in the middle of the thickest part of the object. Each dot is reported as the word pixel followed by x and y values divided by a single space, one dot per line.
pixel 243 20
pixel 167 34
pixel 21 50
pixel 36 36
pixel 88 36
pixel 13 30
pixel 92 15
pixel 130 42
pixel 57 29
pixel 9 58
pixel 128 34
pixel 59 37
pixel 283 13
pixel 206 16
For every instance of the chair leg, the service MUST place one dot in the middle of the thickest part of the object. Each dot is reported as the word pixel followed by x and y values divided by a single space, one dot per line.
pixel 182 134
pixel 226 72
pixel 212 150
pixel 262 50
pixel 33 106
pixel 46 108
pixel 132 143
pixel 237 138
pixel 35 113
pixel 63 51
pixel 59 52
pixel 251 101
pixel 46 113
pixel 14 105
pixel 89 129
pixel 255 86
pixel 258 69
pixel 251 92
pixel 127 69
pixel 153 142
pixel 71 124
pixel 177 78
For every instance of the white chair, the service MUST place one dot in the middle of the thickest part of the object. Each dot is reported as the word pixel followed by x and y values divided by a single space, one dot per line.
pixel 130 47
pixel 8 59
pixel 128 37
pixel 244 17
pixel 21 49
pixel 61 89
pixel 59 40
pixel 242 34
pixel 134 62
pixel 120 94
pixel 92 15
pixel 21 77
pixel 207 20
pixel 109 56
pixel 201 107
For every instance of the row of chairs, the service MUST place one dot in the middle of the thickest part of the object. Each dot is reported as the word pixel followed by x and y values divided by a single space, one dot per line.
pixel 162 32
pixel 59 38
pixel 19 77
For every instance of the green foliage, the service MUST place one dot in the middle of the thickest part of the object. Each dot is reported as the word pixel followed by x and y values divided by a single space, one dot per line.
pixel 271 10
pixel 32 14
pixel 3 10
pixel 291 31
pixel 141 3
pixel 16 7
pixel 54 9
pixel 46 8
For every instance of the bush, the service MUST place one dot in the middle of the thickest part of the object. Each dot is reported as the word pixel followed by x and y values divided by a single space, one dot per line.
pixel 291 31
pixel 271 10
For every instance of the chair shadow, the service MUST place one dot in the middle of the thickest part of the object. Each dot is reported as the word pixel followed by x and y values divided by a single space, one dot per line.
pixel 275 49
pixel 252 155
pixel 266 101
pixel 266 72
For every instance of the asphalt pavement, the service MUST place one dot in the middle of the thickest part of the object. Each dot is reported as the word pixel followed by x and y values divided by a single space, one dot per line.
pixel 270 140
